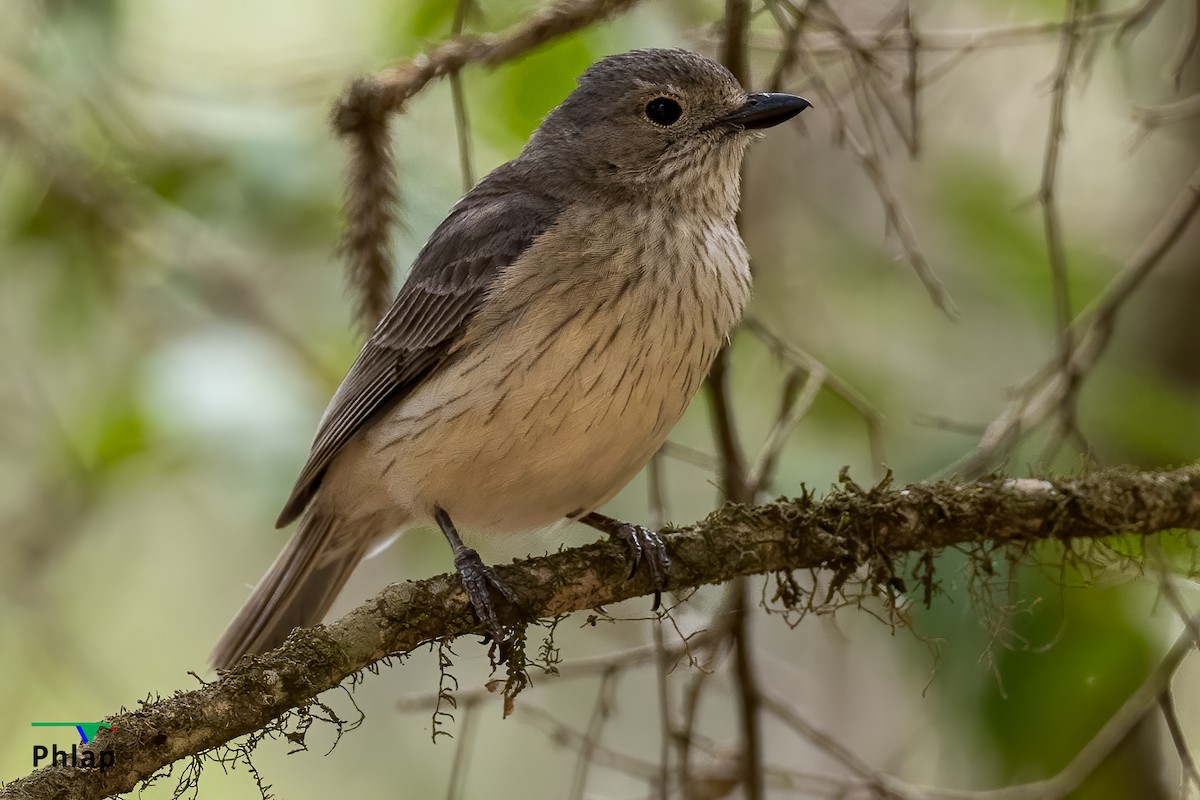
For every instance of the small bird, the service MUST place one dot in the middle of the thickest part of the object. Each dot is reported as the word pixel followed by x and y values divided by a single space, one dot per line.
pixel 549 335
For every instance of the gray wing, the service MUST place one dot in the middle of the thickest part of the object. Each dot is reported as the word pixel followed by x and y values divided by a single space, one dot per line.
pixel 484 233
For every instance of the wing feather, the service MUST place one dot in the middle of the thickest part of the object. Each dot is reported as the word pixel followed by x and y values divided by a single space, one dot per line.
pixel 487 231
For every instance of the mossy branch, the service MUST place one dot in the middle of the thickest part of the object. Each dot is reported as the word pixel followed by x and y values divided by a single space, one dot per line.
pixel 851 532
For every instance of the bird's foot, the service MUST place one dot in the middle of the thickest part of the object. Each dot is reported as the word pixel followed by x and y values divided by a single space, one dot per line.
pixel 646 547
pixel 479 580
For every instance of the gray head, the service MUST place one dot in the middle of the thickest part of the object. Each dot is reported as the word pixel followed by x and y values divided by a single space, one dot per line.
pixel 666 121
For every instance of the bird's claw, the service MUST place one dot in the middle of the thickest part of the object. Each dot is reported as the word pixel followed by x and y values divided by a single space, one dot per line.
pixel 646 547
pixel 479 580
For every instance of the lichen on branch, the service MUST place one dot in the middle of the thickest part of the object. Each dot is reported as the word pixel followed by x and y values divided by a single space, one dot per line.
pixel 853 533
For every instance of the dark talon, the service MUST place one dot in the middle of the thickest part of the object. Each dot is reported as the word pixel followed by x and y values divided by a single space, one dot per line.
pixel 645 547
pixel 478 580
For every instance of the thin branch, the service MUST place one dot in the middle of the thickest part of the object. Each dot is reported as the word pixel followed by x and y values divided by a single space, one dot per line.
pixel 1118 727
pixel 735 27
pixel 1052 225
pixel 1187 46
pixel 1137 21
pixel 462 122
pixel 690 455
pixel 1091 331
pixel 591 739
pixel 867 159
pixel 953 40
pixel 361 117
pixel 843 532
pixel 733 40
pixel 1155 116
pixel 462 753
pixel 868 65
pixel 880 784
pixel 790 25
pixel 911 80
pixel 793 408
pixel 576 669
pixel 1143 700
pixel 599 754
pixel 1191 776
pixel 836 384
pixel 734 480
pixel 686 736
pixel 1166 704
pixel 731 459
pixel 748 695
pixel 662 663
pixel 662 656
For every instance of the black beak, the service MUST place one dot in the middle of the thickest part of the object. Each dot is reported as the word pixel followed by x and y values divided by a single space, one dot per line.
pixel 766 109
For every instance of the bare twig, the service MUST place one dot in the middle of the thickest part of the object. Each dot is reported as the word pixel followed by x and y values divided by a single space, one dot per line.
pixel 749 698
pixel 597 753
pixel 791 25
pixel 868 66
pixel 462 753
pixel 690 455
pixel 881 785
pixel 734 481
pixel 911 82
pixel 1155 116
pixel 578 668
pixel 731 459
pixel 1143 700
pixel 361 117
pixel 1137 20
pixel 662 656
pixel 662 663
pixel 1052 225
pixel 733 39
pixel 951 40
pixel 462 122
pixel 851 396
pixel 1187 46
pixel 793 408
pixel 1091 330
pixel 591 738
pixel 866 157
pixel 686 736
pixel 1191 777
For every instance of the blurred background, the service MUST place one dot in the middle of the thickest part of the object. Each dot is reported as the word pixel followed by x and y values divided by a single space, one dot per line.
pixel 173 319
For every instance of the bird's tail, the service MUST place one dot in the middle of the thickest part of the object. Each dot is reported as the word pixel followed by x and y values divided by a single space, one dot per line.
pixel 300 586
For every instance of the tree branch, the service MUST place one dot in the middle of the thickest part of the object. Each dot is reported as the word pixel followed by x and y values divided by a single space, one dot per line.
pixel 850 528
pixel 361 117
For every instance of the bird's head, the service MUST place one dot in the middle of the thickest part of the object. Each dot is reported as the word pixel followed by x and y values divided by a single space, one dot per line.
pixel 659 121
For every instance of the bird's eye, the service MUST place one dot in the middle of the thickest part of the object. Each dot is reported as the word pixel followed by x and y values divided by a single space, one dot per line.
pixel 663 111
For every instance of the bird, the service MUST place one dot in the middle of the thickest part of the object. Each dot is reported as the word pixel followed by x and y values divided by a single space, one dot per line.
pixel 548 336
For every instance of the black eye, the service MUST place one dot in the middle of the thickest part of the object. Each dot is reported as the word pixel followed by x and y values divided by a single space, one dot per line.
pixel 663 111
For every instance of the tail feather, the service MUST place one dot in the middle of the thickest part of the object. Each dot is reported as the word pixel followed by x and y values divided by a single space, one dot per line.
pixel 297 590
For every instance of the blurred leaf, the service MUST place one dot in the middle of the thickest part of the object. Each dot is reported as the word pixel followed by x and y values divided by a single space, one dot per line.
pixel 121 430
pixel 1138 418
pixel 512 101
pixel 1078 650
pixel 1002 226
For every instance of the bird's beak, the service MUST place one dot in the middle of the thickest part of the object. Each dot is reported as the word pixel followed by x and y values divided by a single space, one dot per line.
pixel 766 109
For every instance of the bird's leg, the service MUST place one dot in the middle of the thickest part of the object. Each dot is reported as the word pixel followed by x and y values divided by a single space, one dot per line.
pixel 645 546
pixel 477 578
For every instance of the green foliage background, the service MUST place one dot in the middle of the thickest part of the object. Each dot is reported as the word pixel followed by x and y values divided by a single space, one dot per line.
pixel 173 319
